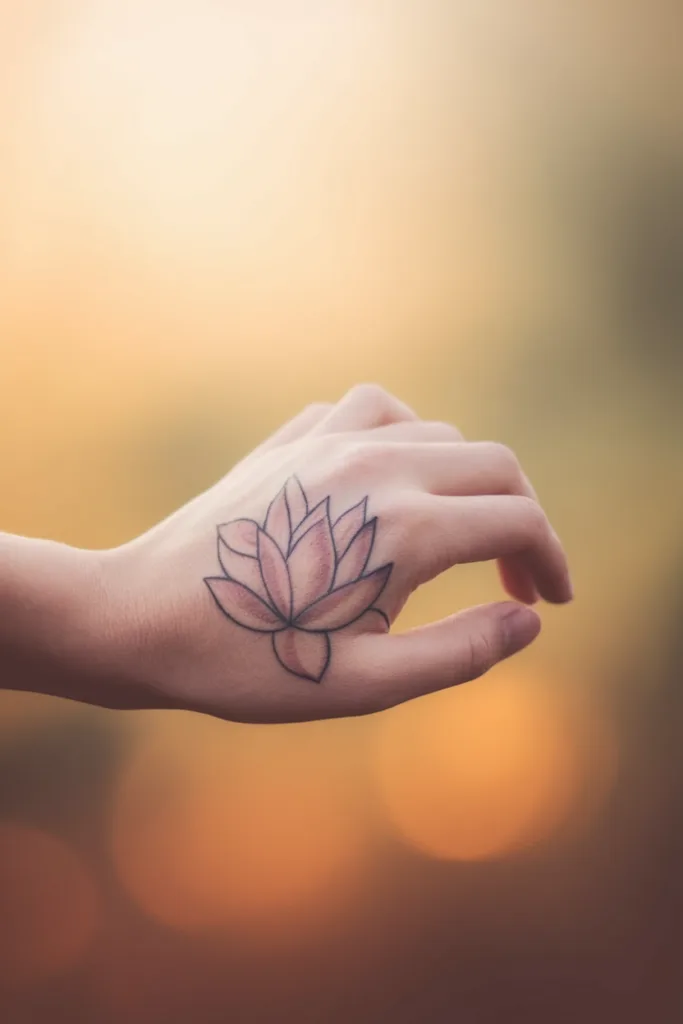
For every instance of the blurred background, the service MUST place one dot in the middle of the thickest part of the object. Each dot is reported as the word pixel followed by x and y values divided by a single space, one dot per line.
pixel 211 213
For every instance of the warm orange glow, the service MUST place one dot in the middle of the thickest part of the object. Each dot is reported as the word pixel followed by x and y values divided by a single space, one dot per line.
pixel 213 212
pixel 214 822
pixel 49 905
pixel 488 768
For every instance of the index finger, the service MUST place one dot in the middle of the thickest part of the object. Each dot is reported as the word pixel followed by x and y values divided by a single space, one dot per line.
pixel 482 527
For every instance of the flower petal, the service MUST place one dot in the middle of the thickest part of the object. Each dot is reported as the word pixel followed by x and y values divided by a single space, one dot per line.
pixel 278 523
pixel 348 524
pixel 311 565
pixel 275 574
pixel 318 512
pixel 345 605
pixel 352 563
pixel 304 654
pixel 243 606
pixel 374 620
pixel 296 499
pixel 240 535
pixel 243 569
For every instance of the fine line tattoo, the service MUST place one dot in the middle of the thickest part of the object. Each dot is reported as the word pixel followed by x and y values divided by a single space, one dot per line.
pixel 299 576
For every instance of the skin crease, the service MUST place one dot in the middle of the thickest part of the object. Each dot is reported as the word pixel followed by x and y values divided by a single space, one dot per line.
pixel 142 629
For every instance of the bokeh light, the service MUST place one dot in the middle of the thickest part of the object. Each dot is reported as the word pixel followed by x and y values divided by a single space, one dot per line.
pixel 211 214
pixel 490 768
pixel 214 823
pixel 48 905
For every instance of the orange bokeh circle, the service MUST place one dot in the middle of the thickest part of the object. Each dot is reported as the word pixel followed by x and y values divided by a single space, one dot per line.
pixel 49 905
pixel 215 822
pixel 492 767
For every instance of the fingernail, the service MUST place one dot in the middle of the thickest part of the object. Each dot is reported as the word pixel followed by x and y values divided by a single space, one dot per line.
pixel 520 626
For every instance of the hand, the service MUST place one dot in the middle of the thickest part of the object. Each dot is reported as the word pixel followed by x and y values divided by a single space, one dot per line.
pixel 269 597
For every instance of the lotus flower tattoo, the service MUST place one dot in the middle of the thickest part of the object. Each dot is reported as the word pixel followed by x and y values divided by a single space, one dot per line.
pixel 299 576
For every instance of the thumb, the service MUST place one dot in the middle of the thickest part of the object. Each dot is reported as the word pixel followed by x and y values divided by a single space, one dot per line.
pixel 445 653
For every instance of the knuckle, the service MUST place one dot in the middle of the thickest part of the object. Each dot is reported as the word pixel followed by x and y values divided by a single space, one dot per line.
pixel 401 516
pixel 415 529
pixel 317 408
pixel 367 456
pixel 369 394
pixel 535 518
pixel 505 457
pixel 444 429
pixel 410 524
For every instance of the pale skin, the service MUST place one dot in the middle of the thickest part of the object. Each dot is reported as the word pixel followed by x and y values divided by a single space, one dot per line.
pixel 164 621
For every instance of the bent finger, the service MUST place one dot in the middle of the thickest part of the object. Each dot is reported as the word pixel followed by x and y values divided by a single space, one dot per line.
pixel 482 527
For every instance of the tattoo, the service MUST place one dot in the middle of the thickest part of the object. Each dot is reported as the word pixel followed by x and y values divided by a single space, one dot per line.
pixel 299 576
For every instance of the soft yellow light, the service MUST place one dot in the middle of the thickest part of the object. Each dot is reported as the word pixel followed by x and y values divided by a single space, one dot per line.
pixel 246 186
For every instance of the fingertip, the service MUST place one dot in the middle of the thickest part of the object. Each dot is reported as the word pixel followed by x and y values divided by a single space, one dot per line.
pixel 521 626
pixel 564 596
pixel 517 580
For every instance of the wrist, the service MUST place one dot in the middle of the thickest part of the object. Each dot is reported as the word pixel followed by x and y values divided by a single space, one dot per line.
pixel 57 635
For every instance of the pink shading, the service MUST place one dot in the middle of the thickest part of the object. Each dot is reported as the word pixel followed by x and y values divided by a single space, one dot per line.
pixel 275 574
pixel 296 499
pixel 311 565
pixel 243 607
pixel 242 569
pixel 355 558
pixel 348 524
pixel 240 535
pixel 343 606
pixel 304 654
pixel 299 577
pixel 374 621
pixel 315 515
pixel 277 523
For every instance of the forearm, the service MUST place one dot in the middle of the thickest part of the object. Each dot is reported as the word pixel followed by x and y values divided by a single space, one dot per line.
pixel 53 621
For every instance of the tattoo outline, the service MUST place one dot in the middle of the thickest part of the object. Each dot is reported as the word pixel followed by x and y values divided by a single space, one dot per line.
pixel 299 577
